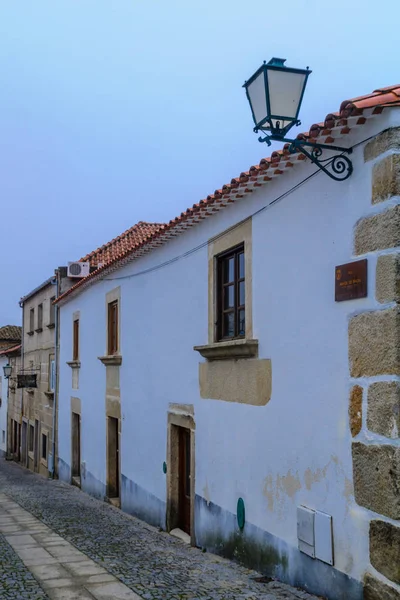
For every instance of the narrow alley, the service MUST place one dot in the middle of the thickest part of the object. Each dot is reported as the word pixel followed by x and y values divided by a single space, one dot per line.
pixel 57 542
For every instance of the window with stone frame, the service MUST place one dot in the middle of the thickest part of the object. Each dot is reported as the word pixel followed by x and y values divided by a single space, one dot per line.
pixel 75 341
pixel 231 301
pixel 31 320
pixel 52 312
pixel 112 343
pixel 39 317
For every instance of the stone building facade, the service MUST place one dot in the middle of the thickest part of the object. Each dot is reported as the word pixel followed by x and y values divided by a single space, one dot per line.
pixel 14 405
pixel 240 431
pixel 374 364
pixel 38 435
pixel 10 342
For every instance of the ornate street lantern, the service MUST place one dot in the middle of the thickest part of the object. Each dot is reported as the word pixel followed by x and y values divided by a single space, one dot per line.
pixel 7 370
pixel 275 93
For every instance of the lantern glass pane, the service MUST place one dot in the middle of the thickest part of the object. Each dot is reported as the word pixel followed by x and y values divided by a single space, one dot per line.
pixel 256 92
pixel 285 91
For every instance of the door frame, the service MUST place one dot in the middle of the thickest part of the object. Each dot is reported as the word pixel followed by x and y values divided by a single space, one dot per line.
pixel 185 419
pixel 116 500
pixel 24 442
pixel 36 448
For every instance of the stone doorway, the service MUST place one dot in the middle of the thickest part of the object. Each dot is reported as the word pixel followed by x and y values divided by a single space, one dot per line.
pixel 181 473
pixel 76 449
pixel 113 474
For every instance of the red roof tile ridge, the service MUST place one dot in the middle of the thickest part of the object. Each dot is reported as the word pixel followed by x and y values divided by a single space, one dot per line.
pixel 239 186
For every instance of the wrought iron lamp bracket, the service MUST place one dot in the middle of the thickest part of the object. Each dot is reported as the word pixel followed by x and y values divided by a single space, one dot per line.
pixel 338 167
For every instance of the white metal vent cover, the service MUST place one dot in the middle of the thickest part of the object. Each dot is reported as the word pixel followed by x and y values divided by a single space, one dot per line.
pixel 314 534
pixel 78 269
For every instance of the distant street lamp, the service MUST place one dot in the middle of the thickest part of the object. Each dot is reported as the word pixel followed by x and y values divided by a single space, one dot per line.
pixel 7 370
pixel 275 94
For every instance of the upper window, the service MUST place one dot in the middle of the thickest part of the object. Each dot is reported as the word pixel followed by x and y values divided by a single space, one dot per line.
pixel 40 316
pixel 113 327
pixel 75 347
pixel 31 320
pixel 231 294
pixel 52 315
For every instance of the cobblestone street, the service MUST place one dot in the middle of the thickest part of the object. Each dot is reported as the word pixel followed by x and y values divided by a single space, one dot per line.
pixel 69 545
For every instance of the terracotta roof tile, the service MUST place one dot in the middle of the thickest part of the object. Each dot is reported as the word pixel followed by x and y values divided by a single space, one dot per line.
pixel 153 235
pixel 11 332
pixel 10 349
pixel 122 244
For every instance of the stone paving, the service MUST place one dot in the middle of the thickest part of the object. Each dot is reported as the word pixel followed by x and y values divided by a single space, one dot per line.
pixel 150 563
pixel 16 581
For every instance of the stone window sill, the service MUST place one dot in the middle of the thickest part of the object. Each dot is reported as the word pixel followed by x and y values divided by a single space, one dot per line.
pixel 50 326
pixel 30 332
pixel 39 330
pixel 112 359
pixel 232 349
pixel 74 364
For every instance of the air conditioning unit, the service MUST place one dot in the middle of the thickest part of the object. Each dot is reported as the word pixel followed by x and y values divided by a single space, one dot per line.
pixel 78 269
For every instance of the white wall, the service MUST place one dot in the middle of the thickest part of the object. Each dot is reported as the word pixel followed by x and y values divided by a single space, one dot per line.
pixel 3 407
pixel 297 448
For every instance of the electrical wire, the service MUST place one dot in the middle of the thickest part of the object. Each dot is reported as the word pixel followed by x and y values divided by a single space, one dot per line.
pixel 222 234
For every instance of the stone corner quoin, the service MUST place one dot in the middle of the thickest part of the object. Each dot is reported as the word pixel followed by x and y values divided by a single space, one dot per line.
pixel 383 142
pixel 378 232
pixel 374 343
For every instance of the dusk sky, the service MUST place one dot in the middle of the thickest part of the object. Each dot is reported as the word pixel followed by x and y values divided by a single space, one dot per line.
pixel 115 111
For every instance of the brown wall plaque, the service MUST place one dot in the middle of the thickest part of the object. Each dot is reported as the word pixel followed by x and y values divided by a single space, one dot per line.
pixel 351 281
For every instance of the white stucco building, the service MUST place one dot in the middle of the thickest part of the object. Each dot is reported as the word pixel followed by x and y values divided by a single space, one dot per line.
pixel 3 405
pixel 206 368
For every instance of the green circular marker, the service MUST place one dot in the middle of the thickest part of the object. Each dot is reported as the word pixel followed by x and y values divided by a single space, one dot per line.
pixel 164 467
pixel 240 512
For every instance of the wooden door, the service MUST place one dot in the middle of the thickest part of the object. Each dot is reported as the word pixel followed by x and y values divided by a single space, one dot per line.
pixel 36 447
pixel 113 458
pixel 184 479
pixel 24 443
pixel 76 445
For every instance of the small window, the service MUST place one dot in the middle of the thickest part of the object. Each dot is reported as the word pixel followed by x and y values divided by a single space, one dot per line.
pixel 52 312
pixel 3 436
pixel 31 437
pixel 52 373
pixel 44 446
pixel 31 320
pixel 113 327
pixel 75 350
pixel 231 295
pixel 40 317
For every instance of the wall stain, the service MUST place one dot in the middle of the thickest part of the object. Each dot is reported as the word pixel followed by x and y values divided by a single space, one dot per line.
pixel 206 494
pixel 288 485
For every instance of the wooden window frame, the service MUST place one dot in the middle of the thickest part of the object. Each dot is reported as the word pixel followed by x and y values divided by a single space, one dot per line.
pixel 221 286
pixel 112 329
pixel 75 340
pixel 39 318
pixel 31 320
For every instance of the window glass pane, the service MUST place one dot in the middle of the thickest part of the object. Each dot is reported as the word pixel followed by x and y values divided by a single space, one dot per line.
pixel 229 296
pixel 242 323
pixel 229 270
pixel 241 265
pixel 229 325
pixel 241 293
